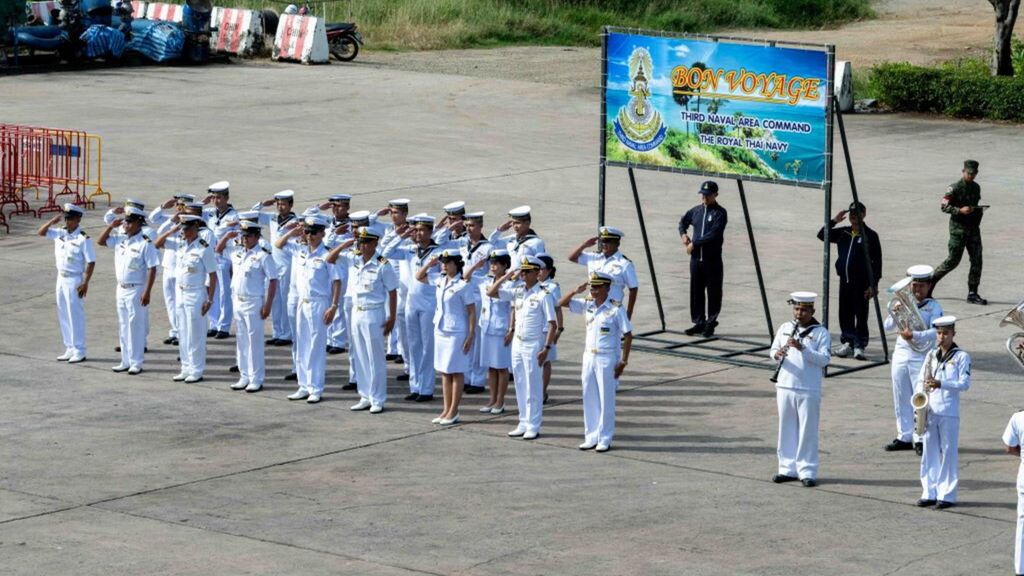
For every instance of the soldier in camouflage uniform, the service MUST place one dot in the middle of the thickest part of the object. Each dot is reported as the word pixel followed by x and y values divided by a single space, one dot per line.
pixel 961 203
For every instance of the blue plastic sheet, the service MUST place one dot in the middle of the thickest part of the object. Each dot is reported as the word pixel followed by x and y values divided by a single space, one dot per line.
pixel 158 41
pixel 103 42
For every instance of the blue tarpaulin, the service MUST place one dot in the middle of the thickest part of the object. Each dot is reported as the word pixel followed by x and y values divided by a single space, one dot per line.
pixel 103 41
pixel 158 41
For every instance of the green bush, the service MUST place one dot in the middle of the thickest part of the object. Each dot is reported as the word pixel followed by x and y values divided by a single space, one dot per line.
pixel 962 89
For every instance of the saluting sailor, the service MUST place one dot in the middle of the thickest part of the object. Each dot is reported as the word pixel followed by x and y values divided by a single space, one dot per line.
pixel 803 349
pixel 196 266
pixel 906 361
pixel 117 213
pixel 164 222
pixel 605 356
pixel 254 280
pixel 373 285
pixel 135 263
pixel 281 324
pixel 611 261
pixel 398 210
pixel 495 336
pixel 534 311
pixel 523 242
pixel 338 230
pixel 75 257
pixel 945 374
pixel 1013 436
pixel 474 248
pixel 318 288
pixel 548 283
pixel 218 219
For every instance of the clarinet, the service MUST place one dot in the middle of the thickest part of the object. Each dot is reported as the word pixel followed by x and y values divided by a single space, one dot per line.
pixel 792 334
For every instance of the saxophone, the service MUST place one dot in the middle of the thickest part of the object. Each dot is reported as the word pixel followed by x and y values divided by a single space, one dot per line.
pixel 919 401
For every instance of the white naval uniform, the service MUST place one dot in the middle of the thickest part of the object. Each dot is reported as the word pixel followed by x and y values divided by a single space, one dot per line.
pixel 494 315
pixel 606 325
pixel 194 263
pixel 620 268
pixel 555 294
pixel 147 231
pixel 534 311
pixel 397 341
pixel 940 470
pixel 906 365
pixel 471 254
pixel 798 394
pixel 530 245
pixel 251 272
pixel 338 334
pixel 282 325
pixel 419 313
pixel 344 264
pixel 313 286
pixel 72 251
pixel 163 224
pixel 133 258
pixel 1014 436
pixel 220 223
pixel 370 284
pixel 451 324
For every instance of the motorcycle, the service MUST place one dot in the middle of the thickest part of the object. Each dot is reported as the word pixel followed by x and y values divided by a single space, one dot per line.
pixel 343 38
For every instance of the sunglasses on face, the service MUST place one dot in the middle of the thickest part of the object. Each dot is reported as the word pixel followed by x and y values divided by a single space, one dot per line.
pixel 311 231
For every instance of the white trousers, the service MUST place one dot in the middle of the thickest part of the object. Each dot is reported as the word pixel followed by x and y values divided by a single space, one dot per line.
pixel 338 335
pixel 311 344
pixel 1018 559
pixel 477 375
pixel 798 433
pixel 249 345
pixel 220 310
pixel 940 472
pixel 71 314
pixel 169 297
pixel 368 346
pixel 350 331
pixel 191 330
pixel 292 307
pixel 420 337
pixel 132 325
pixel 599 385
pixel 905 368
pixel 281 326
pixel 529 382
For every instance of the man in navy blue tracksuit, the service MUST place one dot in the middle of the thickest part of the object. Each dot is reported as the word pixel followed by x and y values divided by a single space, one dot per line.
pixel 859 271
pixel 705 249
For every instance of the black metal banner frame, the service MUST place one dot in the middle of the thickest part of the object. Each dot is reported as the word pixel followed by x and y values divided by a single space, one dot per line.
pixel 726 349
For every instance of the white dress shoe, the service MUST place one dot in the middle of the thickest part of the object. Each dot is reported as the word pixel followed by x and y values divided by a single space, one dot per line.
pixel 376 409
pixel 181 376
pixel 193 379
pixel 587 445
pixel 76 359
pixel 486 410
pixel 298 395
pixel 134 370
pixel 603 447
pixel 361 405
pixel 242 383
pixel 313 399
pixel 498 410
pixel 519 431
pixel 65 356
pixel 530 435
pixel 449 421
pixel 254 387
pixel 119 368
pixel 436 420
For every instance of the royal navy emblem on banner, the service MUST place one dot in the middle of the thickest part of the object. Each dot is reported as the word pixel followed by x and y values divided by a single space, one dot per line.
pixel 638 125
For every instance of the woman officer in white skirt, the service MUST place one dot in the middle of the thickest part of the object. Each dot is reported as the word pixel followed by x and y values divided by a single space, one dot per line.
pixel 495 339
pixel 454 329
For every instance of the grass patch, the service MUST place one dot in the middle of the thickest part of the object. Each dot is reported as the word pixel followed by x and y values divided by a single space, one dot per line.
pixel 436 24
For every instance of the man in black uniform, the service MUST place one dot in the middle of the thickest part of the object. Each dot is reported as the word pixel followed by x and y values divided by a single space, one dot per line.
pixel 705 249
pixel 859 272
pixel 961 203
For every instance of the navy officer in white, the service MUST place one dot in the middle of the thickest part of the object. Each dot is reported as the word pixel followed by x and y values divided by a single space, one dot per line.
pixel 609 260
pixel 75 257
pixel 220 218
pixel 523 241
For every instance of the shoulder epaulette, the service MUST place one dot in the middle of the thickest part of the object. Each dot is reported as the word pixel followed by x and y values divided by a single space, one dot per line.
pixel 615 302
pixel 265 249
pixel 203 242
pixel 382 260
pixel 84 235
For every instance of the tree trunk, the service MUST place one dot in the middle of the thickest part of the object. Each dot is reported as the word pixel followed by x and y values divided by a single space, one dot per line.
pixel 1006 17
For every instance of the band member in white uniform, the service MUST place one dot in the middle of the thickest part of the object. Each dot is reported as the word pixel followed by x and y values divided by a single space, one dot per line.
pixel 398 210
pixel 292 305
pixel 906 361
pixel 196 265
pixel 254 280
pixel 75 257
pixel 135 263
pixel 454 329
pixel 523 242
pixel 495 337
pixel 533 311
pixel 1012 438
pixel 318 287
pixel 475 248
pixel 548 283
pixel 605 356
pixel 946 373
pixel 357 220
pixel 338 231
pixel 281 324
pixel 373 285
pixel 803 349
pixel 611 261
pixel 219 218
pixel 164 221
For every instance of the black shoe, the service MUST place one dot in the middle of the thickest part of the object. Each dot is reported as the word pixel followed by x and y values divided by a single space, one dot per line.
pixel 694 330
pixel 809 482
pixel 211 333
pixel 545 398
pixel 292 376
pixel 117 348
pixel 942 505
pixel 399 360
pixel 897 445
pixel 412 397
pixel 233 369
pixel 221 335
pixel 402 378
pixel 472 389
pixel 780 478
pixel 919 448
pixel 391 357
pixel 174 341
pixel 425 398
pixel 283 343
pixel 974 298
pixel 168 340
pixel 333 350
pixel 271 341
pixel 350 386
pixel 924 503
pixel 709 329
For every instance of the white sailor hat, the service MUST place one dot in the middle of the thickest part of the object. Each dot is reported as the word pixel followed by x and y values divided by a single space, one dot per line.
pixel 598 278
pixel 609 233
pixel 135 203
pixel 455 208
pixel 194 205
pixel 339 198
pixel 134 212
pixel 520 213
pixel 311 211
pixel 530 263
pixel 250 227
pixel 493 254
pixel 802 298
pixel 189 219
pixel 478 216
pixel 422 218
pixel 447 255
pixel 359 216
pixel 285 195
pixel 316 221
pixel 252 215
pixel 219 187
pixel 546 259
pixel 184 198
pixel 399 203
pixel 920 272
pixel 367 233
pixel 944 322
pixel 73 210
